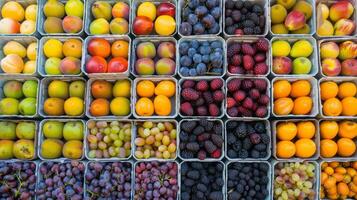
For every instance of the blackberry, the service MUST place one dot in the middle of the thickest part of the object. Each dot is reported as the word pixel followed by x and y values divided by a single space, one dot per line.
pixel 234 195
pixel 247 144
pixel 232 173
pixel 217 140
pixel 217 128
pixel 248 31
pixel 257 9
pixel 250 129
pixel 255 18
pixel 201 187
pixel 197 165
pixel 248 23
pixel 244 11
pixel 243 153
pixel 265 138
pixel 255 154
pixel 260 147
pixel 259 127
pixel 241 130
pixel 219 182
pixel 193 174
pixel 232 124
pixel 186 154
pixel 192 138
pixel 229 21
pixel 238 166
pixel 198 130
pixel 203 122
pixel 193 146
pixel 240 188
pixel 263 154
pixel 230 31
pixel 237 146
pixel 210 147
pixel 188 182
pixel 232 154
pixel 204 179
pixel 247 4
pixel 239 4
pixel 257 30
pixel 208 126
pixel 230 4
pixel 188 126
pixel 182 145
pixel 264 179
pixel 203 137
pixel 184 136
pixel 231 139
pixel 199 102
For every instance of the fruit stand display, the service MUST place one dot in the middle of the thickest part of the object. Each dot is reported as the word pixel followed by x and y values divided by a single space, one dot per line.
pixel 187 99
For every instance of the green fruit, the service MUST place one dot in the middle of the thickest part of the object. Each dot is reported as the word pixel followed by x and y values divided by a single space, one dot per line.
pixel 9 106
pixel 52 66
pixel 99 26
pixel 12 89
pixel 6 149
pixel 28 106
pixel 26 130
pixel 58 89
pixel 53 8
pixel 51 148
pixel 301 65
pixel 277 14
pixel 24 149
pixel 74 8
pixel 8 130
pixel 73 131
pixel 76 89
pixel 53 129
pixel 301 48
pixel 102 9
pixel 29 88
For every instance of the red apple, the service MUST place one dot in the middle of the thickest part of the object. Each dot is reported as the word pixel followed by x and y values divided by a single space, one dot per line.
pixel 349 67
pixel 166 9
pixel 282 65
pixel 96 64
pixel 99 47
pixel 117 64
pixel 142 25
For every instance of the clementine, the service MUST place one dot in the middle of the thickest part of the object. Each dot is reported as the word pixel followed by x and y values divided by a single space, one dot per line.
pixel 283 106
pixel 305 148
pixel 286 131
pixel 346 147
pixel 120 48
pixel 349 106
pixel 99 107
pixel 306 129
pixel 302 105
pixel 328 148
pixel 54 106
pixel 145 88
pixel 300 88
pixel 332 107
pixel 285 149
pixel 281 89
pixel 328 89
pixel 347 89
pixel 328 129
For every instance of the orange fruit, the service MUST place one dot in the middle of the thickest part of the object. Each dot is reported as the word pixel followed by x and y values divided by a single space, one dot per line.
pixel 73 48
pixel 338 177
pixel 285 149
pixel 53 106
pixel 281 88
pixel 354 165
pixel 162 105
pixel 305 148
pixel 283 106
pixel 346 147
pixel 328 89
pixel 347 129
pixel 167 88
pixel 354 180
pixel 120 48
pixel 329 170
pixel 347 89
pixel 101 89
pixel 328 148
pixel 99 107
pixel 340 170
pixel 306 129
pixel 286 130
pixel 328 129
pixel 330 182
pixel 324 176
pixel 145 88
pixel 300 88
pixel 334 164
pixel 332 107
pixel 349 106
pixel 144 107
pixel 302 106
pixel 342 188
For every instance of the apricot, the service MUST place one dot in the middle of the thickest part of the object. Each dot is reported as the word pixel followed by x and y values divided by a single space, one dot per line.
pixel 73 48
pixel 13 10
pixel 99 107
pixel 14 47
pixel 72 24
pixel 30 67
pixel 54 106
pixel 101 89
pixel 12 64
pixel 27 27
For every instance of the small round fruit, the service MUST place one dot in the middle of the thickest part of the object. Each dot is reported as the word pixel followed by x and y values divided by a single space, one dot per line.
pixel 329 89
pixel 328 148
pixel 329 129
pixel 167 88
pixel 286 131
pixel 300 88
pixel 280 48
pixel 13 10
pixel 145 88
pixel 162 105
pixel 306 129
pixel 285 149
pixel 346 147
pixel 144 107
pixel 73 106
pixel 278 14
pixel 332 107
pixel 347 89
pixel 305 148
pixel 165 25
pixel 302 106
pixel 72 48
pixel 282 88
pixel 349 106
pixel 147 9
pixel 120 106
pixel 99 107
pixel 120 48
pixel 283 106
pixel 32 51
pixel 53 48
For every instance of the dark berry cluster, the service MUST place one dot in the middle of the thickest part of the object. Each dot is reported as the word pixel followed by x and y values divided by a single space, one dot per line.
pixel 201 139
pixel 61 180
pixel 17 180
pixel 108 180
pixel 248 181
pixel 202 97
pixel 156 180
pixel 202 58
pixel 247 97
pixel 248 57
pixel 244 18
pixel 202 180
pixel 247 139
pixel 200 17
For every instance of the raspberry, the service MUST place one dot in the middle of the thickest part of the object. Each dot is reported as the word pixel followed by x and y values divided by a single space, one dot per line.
pixel 255 106
pixel 213 110
pixel 202 85
pixel 262 45
pixel 232 112
pixel 188 84
pixel 236 60
pixel 237 70
pixel 190 94
pixel 216 153
pixel 248 49
pixel 216 84
pixel 233 49
pixel 201 155
pixel 254 138
pixel 233 85
pixel 248 62
pixel 210 147
pixel 239 32
pixel 208 97
pixel 186 109
pixel 261 68
pixel 230 102
pixel 261 111
pixel 247 84
pixel 218 96
pixel 247 103
pixel 239 95
pixel 202 111
pixel 254 94
pixel 264 99
pixel 259 57
pixel 260 84
pixel 244 112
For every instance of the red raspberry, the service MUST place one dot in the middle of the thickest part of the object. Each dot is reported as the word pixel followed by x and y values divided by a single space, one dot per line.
pixel 239 95
pixel 230 102
pixel 248 62
pixel 188 84
pixel 186 109
pixel 190 94
pixel 202 85
pixel 261 68
pixel 236 60
pixel 247 103
pixel 216 84
pixel 262 45
pixel 261 111
pixel 259 57
pixel 233 85
pixel 213 110
pixel 248 49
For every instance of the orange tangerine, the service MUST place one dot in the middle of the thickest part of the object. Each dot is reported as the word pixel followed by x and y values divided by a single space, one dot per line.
pixel 354 165
pixel 332 107
pixel 286 130
pixel 285 149
pixel 324 176
pixel 340 170
pixel 328 129
pixel 305 148
pixel 305 129
pixel 347 89
pixel 328 89
pixel 329 170
pixel 99 107
pixel 346 147
pixel 302 106
pixel 334 164
pixel 328 148
pixel 120 48
pixel 283 106
pixel 330 182
pixel 349 106
pixel 281 88
pixel 300 88
pixel 342 188
pixel 145 88
pixel 338 177
pixel 347 129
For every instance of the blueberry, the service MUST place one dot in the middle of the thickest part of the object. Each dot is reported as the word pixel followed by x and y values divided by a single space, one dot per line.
pixel 216 12
pixel 219 50
pixel 198 29
pixel 183 48
pixel 201 68
pixel 216 44
pixel 192 19
pixel 214 29
pixel 193 3
pixel 205 59
pixel 211 3
pixel 200 11
pixel 204 50
pixel 228 21
pixel 205 43
pixel 197 58
pixel 186 28
pixel 195 44
pixel 185 61
pixel 184 71
pixel 191 52
pixel 217 70
pixel 208 21
pixel 193 72
pixel 186 11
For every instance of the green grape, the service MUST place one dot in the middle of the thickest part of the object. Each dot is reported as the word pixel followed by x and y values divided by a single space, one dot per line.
pixel 91 154
pixel 112 152
pixel 296 192
pixel 94 131
pixel 127 153
pixel 113 136
pixel 300 184
pixel 127 138
pixel 283 171
pixel 107 139
pixel 118 143
pixel 127 132
pixel 139 154
pixel 173 134
pixel 147 153
pixel 102 145
pixel 115 130
pixel 295 177
pixel 127 126
pixel 278 191
pixel 147 132
pixel 284 195
pixel 107 131
pixel 127 145
pixel 308 184
pixel 155 131
pixel 114 123
pixel 148 124
pixel 161 126
pixel 122 135
pixel 290 192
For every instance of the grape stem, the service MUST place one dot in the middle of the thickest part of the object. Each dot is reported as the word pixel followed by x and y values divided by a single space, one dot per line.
pixel 17 193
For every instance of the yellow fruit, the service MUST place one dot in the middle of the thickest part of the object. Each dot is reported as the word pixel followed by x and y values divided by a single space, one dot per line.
pixel 73 149
pixel 167 88
pixel 277 14
pixel 74 8
pixel 325 28
pixel 145 88
pixel 281 48
pixel 347 129
pixel 165 25
pixel 332 107
pixel 306 129
pixel 32 51
pixel 329 89
pixel 347 89
pixel 349 106
pixel 73 106
pixel 301 48
pixel 279 29
pixel 30 67
pixel 304 7
pixel 162 105
pixel 31 12
pixel 53 48
pixel 147 9
pixel 14 47
pixel 144 107
pixel 72 48
pixel 283 106
pixel 285 149
pixel 6 147
pixel 302 106
pixel 305 148
pixel 122 88
pixel 286 130
pixel 120 106
pixel 281 88
pixel 51 148
pixel 13 10
pixel 286 3
pixel 329 129
pixel 28 27
pixel 346 147
pixel 304 30
pixel 328 148
pixel 300 88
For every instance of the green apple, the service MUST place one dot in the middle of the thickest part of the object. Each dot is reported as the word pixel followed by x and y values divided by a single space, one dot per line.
pixel 24 149
pixel 26 130
pixel 73 131
pixel 29 88
pixel 7 130
pixel 301 65
pixel 53 129
pixel 52 66
pixel 9 106
pixel 6 148
pixel 13 89
pixel 28 106
pixel 76 89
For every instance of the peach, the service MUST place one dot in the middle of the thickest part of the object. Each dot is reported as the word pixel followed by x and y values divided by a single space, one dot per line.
pixel 28 27
pixel 13 10
pixel 325 28
pixel 166 50
pixel 121 9
pixel 12 64
pixel 341 10
pixel 70 65
pixel 331 66
pixel 282 65
pixel 165 66
pixel 119 26
pixel 30 67
pixel 146 50
pixel 344 27
pixel 348 49
pixel 295 20
pixel 72 24
pixel 349 67
pixel 323 10
pixel 145 66
pixel 9 26
pixel 329 50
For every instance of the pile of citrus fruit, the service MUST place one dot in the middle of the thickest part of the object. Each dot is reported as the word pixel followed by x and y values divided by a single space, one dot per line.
pixel 292 97
pixel 337 137
pixel 338 99
pixel 110 98
pixel 338 180
pixel 154 98
pixel 295 138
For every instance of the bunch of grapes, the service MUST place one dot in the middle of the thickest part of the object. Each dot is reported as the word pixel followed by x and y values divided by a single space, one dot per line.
pixel 156 180
pixel 109 139
pixel 109 180
pixel 61 180
pixel 156 140
pixel 294 180
pixel 17 180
